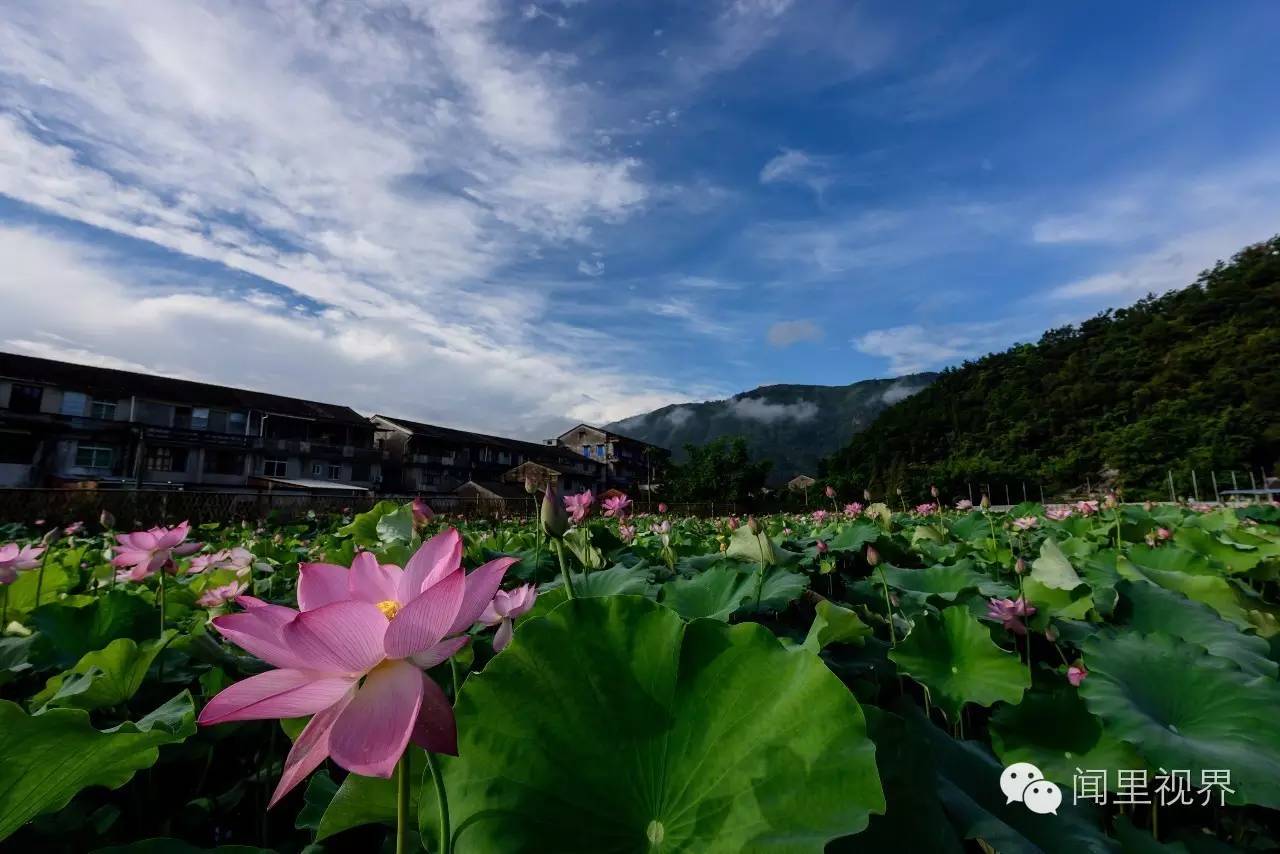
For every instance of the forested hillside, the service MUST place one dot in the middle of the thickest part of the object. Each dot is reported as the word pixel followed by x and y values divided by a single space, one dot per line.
pixel 1190 379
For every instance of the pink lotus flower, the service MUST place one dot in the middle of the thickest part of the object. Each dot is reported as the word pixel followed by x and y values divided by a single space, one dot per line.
pixel 819 516
pixel 926 508
pixel 1025 523
pixel 421 512
pixel 579 506
pixel 852 509
pixel 1086 508
pixel 830 492
pixel 354 656
pixel 732 523
pixel 239 559
pixel 1164 534
pixel 147 552
pixel 14 558
pixel 661 528
pixel 662 508
pixel 215 596
pixel 504 608
pixel 1203 507
pixel 822 547
pixel 617 506
pixel 964 504
pixel 73 529
pixel 627 533
pixel 1076 674
pixel 1057 514
pixel 1009 612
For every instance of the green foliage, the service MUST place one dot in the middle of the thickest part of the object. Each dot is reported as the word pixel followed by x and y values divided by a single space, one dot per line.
pixel 1186 380
pixel 720 470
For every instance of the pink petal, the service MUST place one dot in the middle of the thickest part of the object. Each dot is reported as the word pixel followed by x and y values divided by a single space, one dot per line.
pixel 482 585
pixel 502 637
pixel 320 584
pixel 374 582
pixel 257 631
pixel 310 749
pixel 372 732
pixel 426 619
pixel 436 558
pixel 441 652
pixel 275 694
pixel 341 637
pixel 435 729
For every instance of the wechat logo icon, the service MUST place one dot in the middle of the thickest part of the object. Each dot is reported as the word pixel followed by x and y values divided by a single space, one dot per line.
pixel 1025 783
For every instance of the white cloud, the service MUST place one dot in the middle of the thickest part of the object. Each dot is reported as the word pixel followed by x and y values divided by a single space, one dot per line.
pixel 796 167
pixel 784 333
pixel 679 415
pixel 593 267
pixel 756 409
pixel 900 391
pixel 912 348
pixel 690 313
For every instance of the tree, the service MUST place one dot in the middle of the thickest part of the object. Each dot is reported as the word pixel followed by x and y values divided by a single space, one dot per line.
pixel 720 470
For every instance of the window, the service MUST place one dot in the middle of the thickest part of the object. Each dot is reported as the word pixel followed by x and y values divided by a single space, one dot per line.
pixel 217 421
pixel 317 469
pixel 223 462
pixel 236 422
pixel 73 403
pixel 104 410
pixel 182 416
pixel 200 418
pixel 167 459
pixel 274 467
pixel 94 456
pixel 335 471
pixel 25 398
pixel 600 451
pixel 446 459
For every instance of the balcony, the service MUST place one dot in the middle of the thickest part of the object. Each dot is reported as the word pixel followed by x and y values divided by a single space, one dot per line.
pixel 192 438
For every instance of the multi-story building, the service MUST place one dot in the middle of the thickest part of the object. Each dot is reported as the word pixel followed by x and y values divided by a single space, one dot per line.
pixel 426 458
pixel 629 463
pixel 62 423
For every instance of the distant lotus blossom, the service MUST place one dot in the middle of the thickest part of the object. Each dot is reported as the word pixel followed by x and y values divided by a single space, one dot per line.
pixel 1086 508
pixel 1076 674
pixel 421 511
pixel 14 558
pixel 73 529
pixel 144 553
pixel 926 508
pixel 819 516
pixel 504 608
pixel 240 559
pixel 1057 514
pixel 215 596
pixel 663 527
pixel 1164 534
pixel 830 492
pixel 627 533
pixel 732 523
pixel 852 509
pixel 662 508
pixel 786 532
pixel 578 506
pixel 1025 523
pixel 822 547
pixel 1008 612
pixel 617 506
pixel 353 657
pixel 964 504
pixel 1203 507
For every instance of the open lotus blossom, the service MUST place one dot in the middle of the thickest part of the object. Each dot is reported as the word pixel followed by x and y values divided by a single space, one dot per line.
pixel 353 656
pixel 617 506
pixel 662 507
pixel 1086 508
pixel 852 509
pixel 663 527
pixel 1057 514
pixel 144 553
pixel 1009 612
pixel 964 504
pixel 1164 534
pixel 732 523
pixel 819 516
pixel 1076 674
pixel 73 529
pixel 1025 523
pixel 238 558
pixel 627 533
pixel 926 508
pixel 505 607
pixel 14 558
pixel 215 596
pixel 822 547
pixel 578 506
pixel 1203 507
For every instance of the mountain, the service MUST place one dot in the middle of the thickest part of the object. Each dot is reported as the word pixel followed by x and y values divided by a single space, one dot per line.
pixel 792 425
pixel 1188 381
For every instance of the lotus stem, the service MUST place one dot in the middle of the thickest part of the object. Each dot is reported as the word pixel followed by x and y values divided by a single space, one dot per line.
pixel 453 669
pixel 402 803
pixel 162 601
pixel 4 610
pixel 760 576
pixel 888 608
pixel 558 547
pixel 442 800
pixel 44 558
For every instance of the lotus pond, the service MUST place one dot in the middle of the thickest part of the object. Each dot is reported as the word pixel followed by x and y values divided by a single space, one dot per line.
pixel 1080 678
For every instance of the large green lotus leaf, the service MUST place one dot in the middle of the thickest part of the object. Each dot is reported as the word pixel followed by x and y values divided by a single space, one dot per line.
pixel 22 592
pixel 944 582
pixel 365 528
pixel 952 655
pixel 1181 707
pixel 1236 558
pixel 371 800
pixel 1170 558
pixel 968 783
pixel 754 548
pixel 1053 569
pixel 106 677
pixel 781 587
pixel 611 725
pixel 1217 592
pixel 852 538
pixel 617 580
pixel 913 818
pixel 579 543
pixel 715 593
pixel 1154 609
pixel 833 623
pixel 1056 602
pixel 46 759
pixel 67 633
pixel 1052 729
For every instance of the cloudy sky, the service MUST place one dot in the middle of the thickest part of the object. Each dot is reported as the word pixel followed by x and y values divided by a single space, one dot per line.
pixel 503 215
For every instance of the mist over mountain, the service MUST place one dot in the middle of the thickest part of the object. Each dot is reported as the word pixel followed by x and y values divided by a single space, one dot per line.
pixel 792 425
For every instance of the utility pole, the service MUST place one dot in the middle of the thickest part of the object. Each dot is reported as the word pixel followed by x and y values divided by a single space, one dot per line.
pixel 1195 487
pixel 1024 490
pixel 1216 495
pixel 1173 494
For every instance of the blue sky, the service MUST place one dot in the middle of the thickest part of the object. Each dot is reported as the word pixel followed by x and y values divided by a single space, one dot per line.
pixel 505 216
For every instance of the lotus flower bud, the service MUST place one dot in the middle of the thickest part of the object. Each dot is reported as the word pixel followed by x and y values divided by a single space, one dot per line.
pixel 933 490
pixel 1020 566
pixel 421 512
pixel 753 525
pixel 822 547
pixel 662 507
pixel 986 502
pixel 555 520
pixel 106 520
pixel 831 492
pixel 1148 506
pixel 1051 633
pixel 866 495
pixel 898 490
pixel 51 536
pixel 1110 501
pixel 873 556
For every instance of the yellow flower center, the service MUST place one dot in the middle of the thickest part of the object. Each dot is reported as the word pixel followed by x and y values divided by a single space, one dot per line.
pixel 390 607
